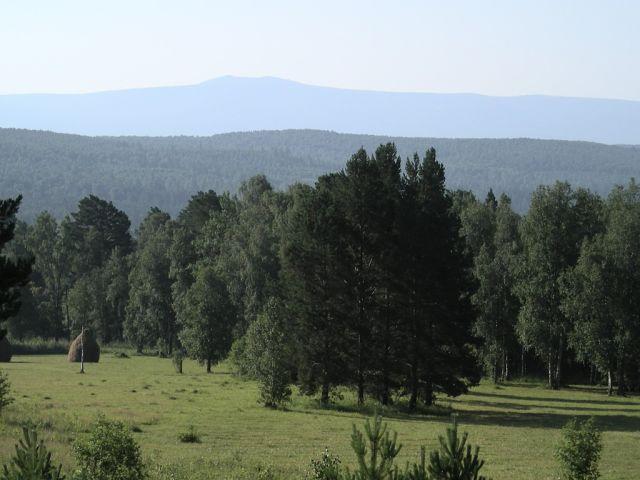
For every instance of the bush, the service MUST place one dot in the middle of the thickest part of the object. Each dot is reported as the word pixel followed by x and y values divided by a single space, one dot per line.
pixel 579 450
pixel 190 436
pixel 454 459
pixel 178 358
pixel 326 468
pixel 31 461
pixel 110 453
pixel 5 391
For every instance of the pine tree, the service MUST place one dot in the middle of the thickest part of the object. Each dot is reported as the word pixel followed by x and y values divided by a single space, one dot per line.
pixel 31 461
pixel 14 272
pixel 375 452
pixel 455 459
pixel 313 268
pixel 435 286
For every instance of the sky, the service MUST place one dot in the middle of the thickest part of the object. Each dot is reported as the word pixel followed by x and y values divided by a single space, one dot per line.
pixel 583 48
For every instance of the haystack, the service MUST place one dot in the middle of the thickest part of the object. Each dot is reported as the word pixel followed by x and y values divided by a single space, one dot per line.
pixel 5 350
pixel 91 348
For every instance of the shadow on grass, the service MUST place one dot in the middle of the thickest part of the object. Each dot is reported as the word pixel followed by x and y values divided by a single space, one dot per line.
pixel 612 423
pixel 518 406
pixel 609 403
pixel 399 411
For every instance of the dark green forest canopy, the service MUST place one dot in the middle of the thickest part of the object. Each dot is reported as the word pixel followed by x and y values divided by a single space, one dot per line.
pixel 53 170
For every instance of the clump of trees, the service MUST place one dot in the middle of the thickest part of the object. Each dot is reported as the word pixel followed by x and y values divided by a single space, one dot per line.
pixel 376 278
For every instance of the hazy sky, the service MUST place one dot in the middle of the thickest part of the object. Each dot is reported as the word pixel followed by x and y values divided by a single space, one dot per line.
pixel 504 47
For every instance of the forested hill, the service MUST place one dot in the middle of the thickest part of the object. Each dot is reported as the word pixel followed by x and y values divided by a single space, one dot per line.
pixel 53 171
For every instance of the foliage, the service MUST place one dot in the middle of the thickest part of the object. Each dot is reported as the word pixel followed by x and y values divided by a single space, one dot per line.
pixel 579 450
pixel 14 272
pixel 177 359
pixel 454 460
pixel 326 468
pixel 5 391
pixel 267 354
pixel 207 318
pixel 110 453
pixel 150 318
pixel 31 461
pixel 558 221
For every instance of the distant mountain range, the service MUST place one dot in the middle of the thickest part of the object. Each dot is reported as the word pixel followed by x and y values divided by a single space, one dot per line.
pixel 230 104
pixel 53 171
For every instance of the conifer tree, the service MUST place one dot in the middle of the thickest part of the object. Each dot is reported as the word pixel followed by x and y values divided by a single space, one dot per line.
pixel 435 285
pixel 313 269
pixel 31 461
pixel 14 272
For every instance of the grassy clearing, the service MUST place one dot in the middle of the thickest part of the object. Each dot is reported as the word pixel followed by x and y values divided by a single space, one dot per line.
pixel 516 425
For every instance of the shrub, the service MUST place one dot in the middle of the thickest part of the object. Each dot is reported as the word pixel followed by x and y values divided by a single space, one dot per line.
pixel 5 391
pixel 190 436
pixel 579 450
pixel 454 459
pixel 178 358
pixel 110 453
pixel 31 461
pixel 326 468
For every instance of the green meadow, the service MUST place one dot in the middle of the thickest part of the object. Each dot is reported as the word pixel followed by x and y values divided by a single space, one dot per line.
pixel 516 425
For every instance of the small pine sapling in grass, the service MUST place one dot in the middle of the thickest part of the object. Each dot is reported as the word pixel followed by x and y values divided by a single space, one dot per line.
pixel 5 391
pixel 579 450
pixel 31 461
pixel 455 459
pixel 382 449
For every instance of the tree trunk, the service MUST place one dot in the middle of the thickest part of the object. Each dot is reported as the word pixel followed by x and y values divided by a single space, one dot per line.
pixel 495 370
pixel 506 366
pixel 208 365
pixel 558 374
pixel 428 394
pixel 413 400
pixel 621 386
pixel 360 389
pixel 609 383
pixel 324 397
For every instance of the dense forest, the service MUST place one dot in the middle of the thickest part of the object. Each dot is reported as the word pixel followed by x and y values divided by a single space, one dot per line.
pixel 377 277
pixel 52 171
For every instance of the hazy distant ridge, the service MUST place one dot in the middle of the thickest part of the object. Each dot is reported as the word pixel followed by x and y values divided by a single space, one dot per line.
pixel 54 170
pixel 229 104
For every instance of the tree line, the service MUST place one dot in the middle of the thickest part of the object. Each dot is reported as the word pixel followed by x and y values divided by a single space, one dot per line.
pixel 376 278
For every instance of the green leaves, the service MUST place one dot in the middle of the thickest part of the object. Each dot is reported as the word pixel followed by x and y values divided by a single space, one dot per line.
pixel 579 450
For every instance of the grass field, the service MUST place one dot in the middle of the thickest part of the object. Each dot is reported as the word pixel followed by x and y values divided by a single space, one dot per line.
pixel 516 425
